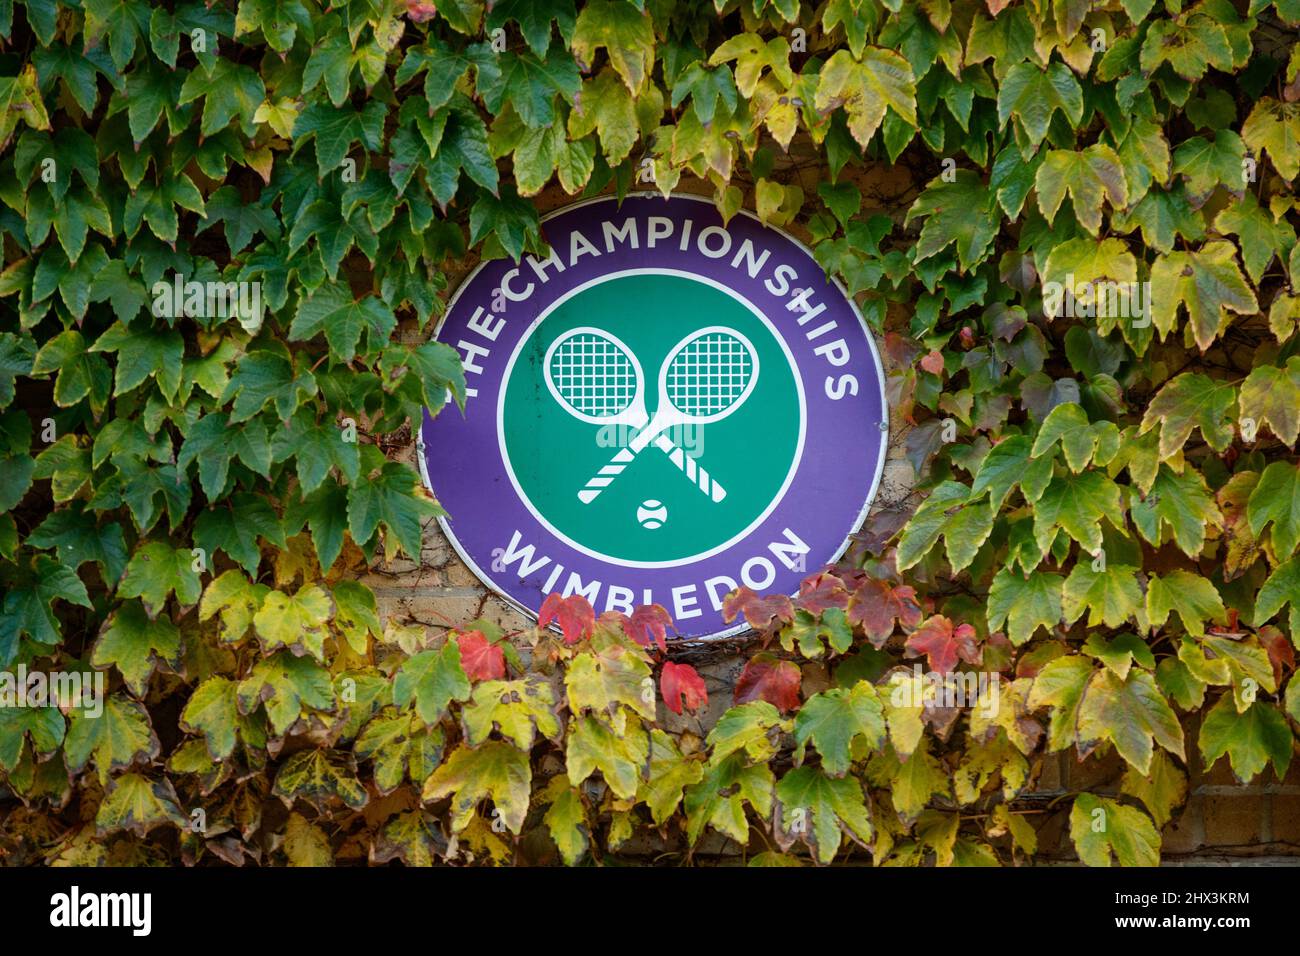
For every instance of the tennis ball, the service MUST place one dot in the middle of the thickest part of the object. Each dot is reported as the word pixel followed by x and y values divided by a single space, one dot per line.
pixel 652 514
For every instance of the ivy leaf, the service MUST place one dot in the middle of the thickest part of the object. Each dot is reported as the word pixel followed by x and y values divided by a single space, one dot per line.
pixel 296 622
pixel 1260 235
pixel 1281 588
pixel 1208 283
pixel 1091 176
pixel 432 679
pixel 236 600
pixel 43 725
pixel 534 18
pixel 495 770
pixel 943 644
pixel 320 776
pixel 228 90
pixel 119 737
pixel 392 497
pixel 865 87
pixel 1251 739
pixel 1077 504
pixel 1103 830
pixel 1272 127
pixel 144 353
pixel 401 747
pixel 213 710
pixel 315 448
pixel 518 709
pixel 833 720
pixel 1162 789
pixel 138 804
pixel 1131 714
pixel 1111 596
pixel 719 799
pixel 625 33
pixel 136 644
pixel 1192 596
pixel 836 807
pixel 769 680
pixel 157 570
pixel 1191 44
pixel 265 376
pixel 1032 95
pixel 335 130
pixel 20 99
pixel 877 605
pixel 29 604
pixel 682 686
pixel 1207 164
pixel 961 211
pixel 286 684
pixel 528 83
pixel 332 309
pixel 1180 503
pixel 1024 604
pixel 77 538
pixel 591 745
pixel 1271 395
pixel 1189 401
pixel 1276 502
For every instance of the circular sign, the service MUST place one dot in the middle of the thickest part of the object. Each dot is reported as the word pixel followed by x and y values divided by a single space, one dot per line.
pixel 665 409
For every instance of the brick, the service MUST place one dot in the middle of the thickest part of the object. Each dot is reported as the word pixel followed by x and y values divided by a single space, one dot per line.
pixel 1233 820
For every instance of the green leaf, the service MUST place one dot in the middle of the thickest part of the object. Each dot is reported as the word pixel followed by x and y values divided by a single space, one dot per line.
pixel 1275 502
pixel 29 604
pixel 332 309
pixel 821 809
pixel 1130 713
pixel 1031 95
pixel 1077 504
pixel 157 570
pixel 1208 283
pixel 1024 604
pixel 1091 176
pixel 228 90
pixel 213 710
pixel 138 804
pixel 136 644
pixel 1189 401
pixel 834 719
pixel 961 211
pixel 1271 396
pixel 1193 597
pixel 625 33
pixel 76 538
pixel 1111 596
pixel 865 87
pixel 1251 739
pixel 495 770
pixel 719 799
pixel 319 777
pixel 286 684
pixel 433 679
pixel 1103 830
pixel 620 757
pixel 518 710
pixel 1180 503
pixel 119 737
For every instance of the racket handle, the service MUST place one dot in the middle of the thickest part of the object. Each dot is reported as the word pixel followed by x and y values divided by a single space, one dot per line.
pixel 687 465
pixel 691 469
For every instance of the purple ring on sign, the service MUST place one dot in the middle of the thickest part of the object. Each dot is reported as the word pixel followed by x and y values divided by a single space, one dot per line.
pixel 845 430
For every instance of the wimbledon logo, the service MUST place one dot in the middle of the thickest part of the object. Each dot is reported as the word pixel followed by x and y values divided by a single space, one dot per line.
pixel 663 410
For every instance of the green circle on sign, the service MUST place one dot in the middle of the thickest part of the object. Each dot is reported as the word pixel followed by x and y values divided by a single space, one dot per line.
pixel 737 383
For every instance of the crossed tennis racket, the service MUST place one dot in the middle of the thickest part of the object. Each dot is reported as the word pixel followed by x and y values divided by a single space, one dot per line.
pixel 706 376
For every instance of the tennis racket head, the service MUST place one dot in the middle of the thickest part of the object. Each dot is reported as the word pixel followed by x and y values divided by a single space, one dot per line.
pixel 709 374
pixel 594 376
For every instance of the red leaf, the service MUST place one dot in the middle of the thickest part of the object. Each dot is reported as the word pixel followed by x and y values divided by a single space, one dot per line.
pixel 759 612
pixel 933 362
pixel 420 11
pixel 480 659
pixel 877 604
pixel 943 644
pixel 574 614
pixel 649 625
pixel 997 6
pixel 767 678
pixel 820 591
pixel 1279 650
pixel 682 686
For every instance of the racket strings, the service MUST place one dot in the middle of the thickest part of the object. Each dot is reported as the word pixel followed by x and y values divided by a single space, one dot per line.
pixel 709 374
pixel 594 376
